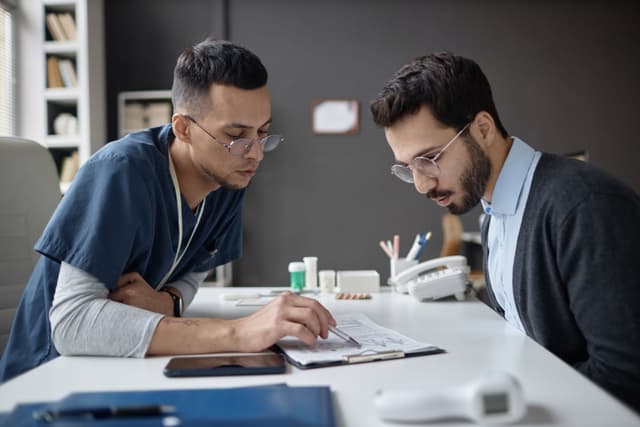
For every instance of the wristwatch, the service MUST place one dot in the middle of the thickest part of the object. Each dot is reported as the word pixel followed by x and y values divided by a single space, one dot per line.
pixel 177 302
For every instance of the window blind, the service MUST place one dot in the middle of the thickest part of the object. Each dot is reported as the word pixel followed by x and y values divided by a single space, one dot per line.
pixel 7 71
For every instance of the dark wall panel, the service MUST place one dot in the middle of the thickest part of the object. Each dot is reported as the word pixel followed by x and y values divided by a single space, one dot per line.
pixel 143 40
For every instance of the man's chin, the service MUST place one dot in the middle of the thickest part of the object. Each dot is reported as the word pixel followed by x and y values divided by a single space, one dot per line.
pixel 236 184
pixel 465 206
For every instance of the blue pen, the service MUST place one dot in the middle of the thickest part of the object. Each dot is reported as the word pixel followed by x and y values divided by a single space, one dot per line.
pixel 424 238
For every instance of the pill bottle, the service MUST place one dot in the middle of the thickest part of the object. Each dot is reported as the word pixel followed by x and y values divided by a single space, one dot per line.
pixel 296 276
pixel 311 272
pixel 327 279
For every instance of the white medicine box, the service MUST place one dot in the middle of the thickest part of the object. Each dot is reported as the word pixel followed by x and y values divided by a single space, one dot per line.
pixel 358 281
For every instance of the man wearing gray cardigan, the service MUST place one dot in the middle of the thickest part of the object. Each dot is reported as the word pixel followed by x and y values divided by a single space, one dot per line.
pixel 560 236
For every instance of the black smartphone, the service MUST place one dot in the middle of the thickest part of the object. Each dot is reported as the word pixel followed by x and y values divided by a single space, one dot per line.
pixel 244 364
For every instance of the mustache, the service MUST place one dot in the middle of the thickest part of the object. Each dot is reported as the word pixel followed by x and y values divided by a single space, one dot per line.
pixel 437 195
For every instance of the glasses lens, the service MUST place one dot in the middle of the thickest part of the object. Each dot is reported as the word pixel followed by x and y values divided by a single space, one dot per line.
pixel 240 146
pixel 426 167
pixel 403 173
pixel 271 142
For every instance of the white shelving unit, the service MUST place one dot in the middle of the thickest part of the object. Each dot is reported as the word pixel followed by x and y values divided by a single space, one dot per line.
pixel 86 100
pixel 142 109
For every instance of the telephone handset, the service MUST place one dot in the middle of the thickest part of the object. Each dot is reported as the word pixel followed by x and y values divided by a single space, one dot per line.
pixel 433 279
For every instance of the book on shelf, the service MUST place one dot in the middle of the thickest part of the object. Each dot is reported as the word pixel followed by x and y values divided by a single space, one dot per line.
pixel 68 72
pixel 54 77
pixel 55 27
pixel 68 25
pixel 70 166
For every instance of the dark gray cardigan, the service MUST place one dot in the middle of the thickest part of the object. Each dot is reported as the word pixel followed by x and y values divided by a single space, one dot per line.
pixel 575 281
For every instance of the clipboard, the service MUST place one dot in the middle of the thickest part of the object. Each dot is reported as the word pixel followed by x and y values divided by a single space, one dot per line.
pixel 359 358
pixel 379 344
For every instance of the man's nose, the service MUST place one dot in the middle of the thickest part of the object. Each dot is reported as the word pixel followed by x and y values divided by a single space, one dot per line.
pixel 255 152
pixel 423 183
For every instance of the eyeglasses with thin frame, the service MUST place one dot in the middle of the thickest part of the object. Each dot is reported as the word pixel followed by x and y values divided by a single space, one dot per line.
pixel 427 166
pixel 241 146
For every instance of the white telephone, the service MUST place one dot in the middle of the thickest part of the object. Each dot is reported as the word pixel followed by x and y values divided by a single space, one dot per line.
pixel 434 279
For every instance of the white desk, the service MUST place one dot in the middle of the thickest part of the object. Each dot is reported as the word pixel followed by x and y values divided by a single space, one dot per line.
pixel 475 338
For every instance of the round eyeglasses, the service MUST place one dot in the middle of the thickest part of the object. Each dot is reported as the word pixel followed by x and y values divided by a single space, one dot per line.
pixel 426 166
pixel 241 146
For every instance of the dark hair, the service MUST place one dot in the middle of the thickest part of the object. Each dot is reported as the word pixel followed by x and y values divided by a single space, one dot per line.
pixel 454 88
pixel 213 61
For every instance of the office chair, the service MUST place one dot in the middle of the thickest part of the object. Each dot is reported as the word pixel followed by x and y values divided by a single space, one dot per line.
pixel 29 193
pixel 451 235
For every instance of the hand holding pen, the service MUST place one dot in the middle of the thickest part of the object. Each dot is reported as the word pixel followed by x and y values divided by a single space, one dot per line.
pixel 346 337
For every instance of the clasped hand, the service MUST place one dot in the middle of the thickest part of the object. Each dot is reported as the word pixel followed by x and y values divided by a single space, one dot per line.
pixel 133 290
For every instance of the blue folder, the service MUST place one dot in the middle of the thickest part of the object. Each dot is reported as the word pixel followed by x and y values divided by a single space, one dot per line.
pixel 272 405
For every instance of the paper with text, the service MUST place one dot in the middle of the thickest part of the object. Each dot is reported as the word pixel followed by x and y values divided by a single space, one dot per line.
pixel 372 337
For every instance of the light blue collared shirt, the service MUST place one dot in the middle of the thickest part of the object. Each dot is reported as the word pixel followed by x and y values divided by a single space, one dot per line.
pixel 506 209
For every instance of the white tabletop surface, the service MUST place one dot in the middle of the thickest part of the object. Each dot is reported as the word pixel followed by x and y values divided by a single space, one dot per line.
pixel 475 338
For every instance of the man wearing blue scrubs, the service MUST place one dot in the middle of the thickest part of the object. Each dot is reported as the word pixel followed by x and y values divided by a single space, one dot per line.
pixel 146 217
pixel 560 236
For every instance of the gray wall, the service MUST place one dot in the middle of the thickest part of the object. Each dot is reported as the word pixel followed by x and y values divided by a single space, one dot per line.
pixel 564 76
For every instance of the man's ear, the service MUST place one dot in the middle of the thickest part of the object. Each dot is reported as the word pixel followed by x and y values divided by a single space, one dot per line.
pixel 180 126
pixel 483 128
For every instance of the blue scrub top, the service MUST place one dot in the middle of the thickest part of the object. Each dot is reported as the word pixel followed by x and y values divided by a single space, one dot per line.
pixel 119 216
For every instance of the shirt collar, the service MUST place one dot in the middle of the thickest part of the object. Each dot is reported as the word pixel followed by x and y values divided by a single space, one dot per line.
pixel 166 136
pixel 513 175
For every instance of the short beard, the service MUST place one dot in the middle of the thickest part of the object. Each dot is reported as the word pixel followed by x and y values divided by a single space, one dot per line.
pixel 474 179
pixel 222 181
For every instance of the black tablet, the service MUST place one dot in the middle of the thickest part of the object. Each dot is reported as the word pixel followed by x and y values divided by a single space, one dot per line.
pixel 244 364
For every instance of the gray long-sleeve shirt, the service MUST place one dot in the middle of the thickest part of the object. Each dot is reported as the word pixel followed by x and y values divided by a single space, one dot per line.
pixel 85 322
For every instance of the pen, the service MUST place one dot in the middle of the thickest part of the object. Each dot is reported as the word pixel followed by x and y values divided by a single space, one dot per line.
pixel 386 249
pixel 414 248
pixel 423 243
pixel 390 247
pixel 396 245
pixel 343 335
pixel 105 412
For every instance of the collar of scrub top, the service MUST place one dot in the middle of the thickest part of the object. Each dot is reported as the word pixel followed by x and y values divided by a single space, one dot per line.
pixel 178 257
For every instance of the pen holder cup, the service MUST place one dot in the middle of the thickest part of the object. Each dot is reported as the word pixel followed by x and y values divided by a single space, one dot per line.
pixel 398 265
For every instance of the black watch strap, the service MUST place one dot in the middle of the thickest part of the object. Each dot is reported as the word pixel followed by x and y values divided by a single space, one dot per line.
pixel 177 302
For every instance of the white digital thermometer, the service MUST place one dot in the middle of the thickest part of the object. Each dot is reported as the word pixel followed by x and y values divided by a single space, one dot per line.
pixel 496 398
